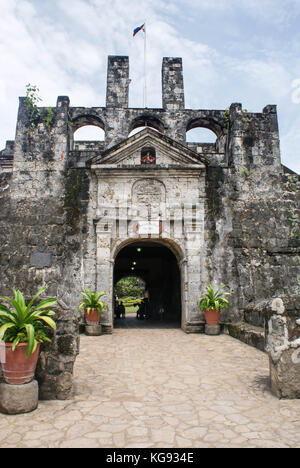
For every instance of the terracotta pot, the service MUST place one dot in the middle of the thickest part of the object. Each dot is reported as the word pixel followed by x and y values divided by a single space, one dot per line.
pixel 212 316
pixel 17 368
pixel 92 318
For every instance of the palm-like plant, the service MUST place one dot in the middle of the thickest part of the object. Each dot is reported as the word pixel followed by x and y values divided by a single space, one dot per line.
pixel 213 299
pixel 92 301
pixel 21 323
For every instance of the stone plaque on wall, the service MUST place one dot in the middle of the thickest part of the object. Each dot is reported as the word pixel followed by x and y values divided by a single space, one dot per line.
pixel 40 259
pixel 149 227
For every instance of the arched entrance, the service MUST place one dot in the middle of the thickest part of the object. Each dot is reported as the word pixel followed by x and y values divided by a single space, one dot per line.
pixel 157 265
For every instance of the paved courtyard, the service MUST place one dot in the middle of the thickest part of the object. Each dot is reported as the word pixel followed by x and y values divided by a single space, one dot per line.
pixel 162 388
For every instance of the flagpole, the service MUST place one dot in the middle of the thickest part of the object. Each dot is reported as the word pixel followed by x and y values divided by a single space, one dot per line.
pixel 145 67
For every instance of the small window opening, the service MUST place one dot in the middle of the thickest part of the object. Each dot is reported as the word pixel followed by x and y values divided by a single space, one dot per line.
pixel 148 155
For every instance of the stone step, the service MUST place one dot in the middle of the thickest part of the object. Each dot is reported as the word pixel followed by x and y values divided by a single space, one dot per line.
pixel 249 334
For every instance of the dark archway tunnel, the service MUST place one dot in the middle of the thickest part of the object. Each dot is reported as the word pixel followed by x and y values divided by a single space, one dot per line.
pixel 158 267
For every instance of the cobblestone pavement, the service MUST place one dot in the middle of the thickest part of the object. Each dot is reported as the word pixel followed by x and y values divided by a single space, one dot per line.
pixel 162 388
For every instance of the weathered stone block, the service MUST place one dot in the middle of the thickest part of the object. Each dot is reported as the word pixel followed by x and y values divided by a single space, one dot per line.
pixel 106 328
pixel 56 387
pixel 285 375
pixel 16 399
pixel 212 329
pixel 93 330
pixel 283 347
pixel 194 327
pixel 67 344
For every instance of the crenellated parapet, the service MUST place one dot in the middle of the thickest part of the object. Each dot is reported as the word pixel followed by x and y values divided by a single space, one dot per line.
pixel 244 140
pixel 7 157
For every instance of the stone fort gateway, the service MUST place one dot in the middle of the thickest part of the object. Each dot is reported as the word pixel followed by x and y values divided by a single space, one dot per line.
pixel 74 214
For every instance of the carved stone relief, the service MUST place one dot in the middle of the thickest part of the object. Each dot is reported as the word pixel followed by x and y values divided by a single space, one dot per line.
pixel 148 192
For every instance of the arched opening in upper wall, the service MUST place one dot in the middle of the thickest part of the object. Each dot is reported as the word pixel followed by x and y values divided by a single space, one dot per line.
pixel 200 135
pixel 87 132
pixel 145 121
pixel 207 132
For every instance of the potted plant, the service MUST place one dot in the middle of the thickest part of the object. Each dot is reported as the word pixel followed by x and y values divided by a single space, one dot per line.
pixel 212 302
pixel 22 329
pixel 92 306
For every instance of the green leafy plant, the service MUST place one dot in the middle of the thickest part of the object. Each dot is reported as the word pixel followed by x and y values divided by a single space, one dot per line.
pixel 92 301
pixel 246 117
pixel 21 323
pixel 49 117
pixel 292 182
pixel 130 286
pixel 129 301
pixel 227 118
pixel 245 172
pixel 214 299
pixel 32 99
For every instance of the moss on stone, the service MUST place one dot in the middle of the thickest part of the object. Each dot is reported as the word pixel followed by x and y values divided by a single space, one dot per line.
pixel 72 199
pixel 233 330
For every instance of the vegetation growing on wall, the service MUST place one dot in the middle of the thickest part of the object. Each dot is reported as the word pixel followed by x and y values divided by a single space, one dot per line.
pixel 72 200
pixel 34 114
pixel 32 99
pixel 49 117
pixel 227 118
pixel 292 182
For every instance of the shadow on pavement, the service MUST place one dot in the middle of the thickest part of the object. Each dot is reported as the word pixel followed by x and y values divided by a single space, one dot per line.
pixel 133 322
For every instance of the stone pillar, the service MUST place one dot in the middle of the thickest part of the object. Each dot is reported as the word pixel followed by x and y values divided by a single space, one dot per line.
pixel 194 240
pixel 117 81
pixel 54 371
pixel 283 346
pixel 105 272
pixel 172 84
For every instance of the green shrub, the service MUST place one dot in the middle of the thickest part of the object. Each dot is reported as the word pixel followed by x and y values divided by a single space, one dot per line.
pixel 23 323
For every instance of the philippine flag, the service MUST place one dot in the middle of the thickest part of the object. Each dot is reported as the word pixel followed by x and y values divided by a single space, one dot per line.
pixel 136 30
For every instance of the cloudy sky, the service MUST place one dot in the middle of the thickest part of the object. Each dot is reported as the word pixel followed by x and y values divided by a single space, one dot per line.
pixel 244 51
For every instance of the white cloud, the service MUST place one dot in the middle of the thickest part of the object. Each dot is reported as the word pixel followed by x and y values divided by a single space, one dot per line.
pixel 270 78
pixel 296 91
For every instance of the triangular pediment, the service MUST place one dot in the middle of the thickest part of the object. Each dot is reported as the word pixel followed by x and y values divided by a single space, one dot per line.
pixel 167 152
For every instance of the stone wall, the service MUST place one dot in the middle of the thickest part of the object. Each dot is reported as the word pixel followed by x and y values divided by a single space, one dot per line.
pixel 42 216
pixel 253 216
pixel 248 234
